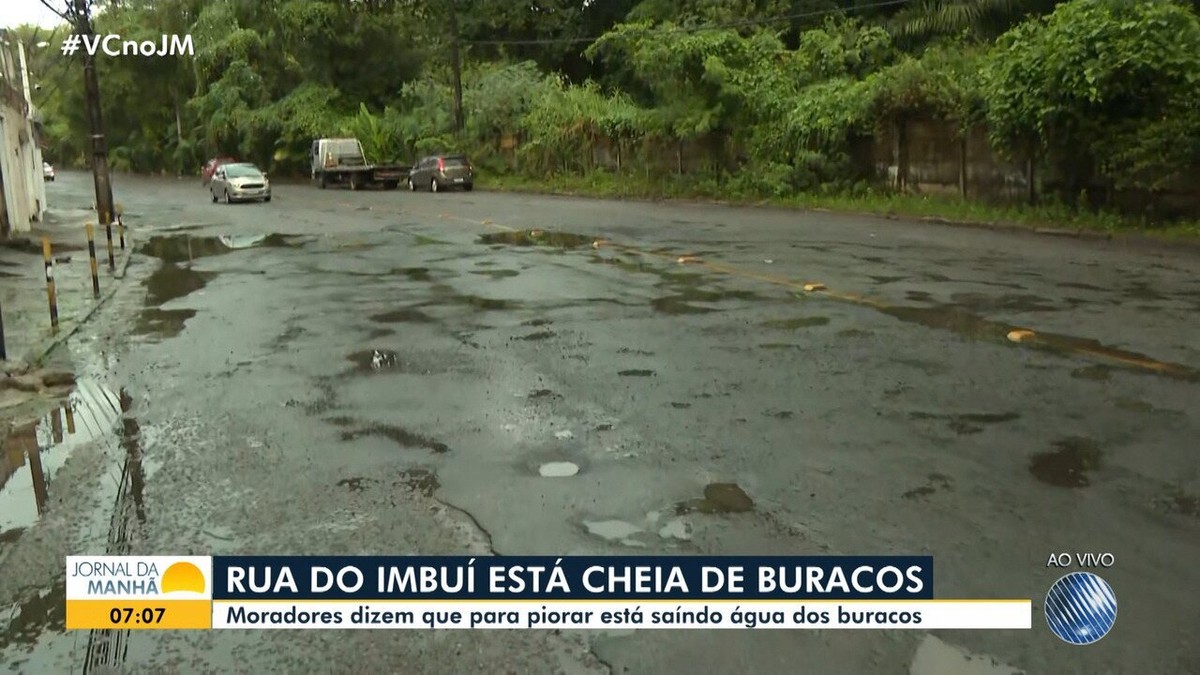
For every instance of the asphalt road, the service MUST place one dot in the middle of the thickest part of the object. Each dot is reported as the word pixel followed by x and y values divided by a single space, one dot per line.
pixel 385 372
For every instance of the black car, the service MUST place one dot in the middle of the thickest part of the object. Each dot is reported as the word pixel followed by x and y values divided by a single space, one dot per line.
pixel 442 172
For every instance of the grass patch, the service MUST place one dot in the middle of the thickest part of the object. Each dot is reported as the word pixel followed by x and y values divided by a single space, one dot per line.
pixel 880 203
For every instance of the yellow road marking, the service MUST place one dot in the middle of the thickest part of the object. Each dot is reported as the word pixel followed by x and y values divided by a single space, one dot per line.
pixel 1015 334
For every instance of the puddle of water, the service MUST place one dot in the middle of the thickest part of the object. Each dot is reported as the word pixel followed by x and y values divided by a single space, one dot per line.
pixel 402 315
pixel 399 435
pixel 32 453
pixel 799 322
pixel 449 296
pixel 1069 464
pixel 636 373
pixel 162 323
pixel 979 302
pixel 680 406
pixel 882 280
pixel 422 240
pixel 558 469
pixel 638 352
pixel 854 333
pixel 44 612
pixel 562 240
pixel 374 360
pixel 497 274
pixel 718 498
pixel 170 281
pixel 177 248
pixel 1081 286
pixel 681 303
pixel 543 393
pixel 414 273
pixel 533 337
pixel 967 423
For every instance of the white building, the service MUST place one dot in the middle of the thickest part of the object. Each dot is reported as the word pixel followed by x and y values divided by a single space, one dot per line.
pixel 23 193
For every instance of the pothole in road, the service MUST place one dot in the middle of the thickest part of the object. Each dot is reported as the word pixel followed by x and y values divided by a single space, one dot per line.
pixel 369 361
pixel 402 315
pixel 497 273
pixel 968 423
pixel 177 248
pixel 798 322
pixel 398 435
pixel 170 281
pixel 424 481
pixel 535 337
pixel 681 303
pixel 32 453
pixel 564 240
pixel 162 323
pixel 1069 464
pixel 637 372
pixel 719 498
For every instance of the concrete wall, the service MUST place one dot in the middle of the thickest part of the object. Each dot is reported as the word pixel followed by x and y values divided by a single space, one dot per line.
pixel 24 193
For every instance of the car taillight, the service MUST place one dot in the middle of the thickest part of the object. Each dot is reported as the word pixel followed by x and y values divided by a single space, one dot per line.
pixel 441 164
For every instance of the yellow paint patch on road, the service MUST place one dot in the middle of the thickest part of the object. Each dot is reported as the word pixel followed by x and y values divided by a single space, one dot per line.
pixel 1020 335
pixel 685 259
pixel 814 286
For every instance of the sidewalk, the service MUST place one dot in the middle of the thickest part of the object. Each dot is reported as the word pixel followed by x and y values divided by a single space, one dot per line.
pixel 24 304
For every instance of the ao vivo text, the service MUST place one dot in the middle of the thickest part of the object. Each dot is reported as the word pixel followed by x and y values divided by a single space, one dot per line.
pixel 1081 560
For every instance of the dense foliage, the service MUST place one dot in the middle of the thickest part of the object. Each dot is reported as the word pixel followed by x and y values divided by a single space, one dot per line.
pixel 775 93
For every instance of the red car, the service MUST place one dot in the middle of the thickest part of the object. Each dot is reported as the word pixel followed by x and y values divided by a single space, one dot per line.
pixel 206 173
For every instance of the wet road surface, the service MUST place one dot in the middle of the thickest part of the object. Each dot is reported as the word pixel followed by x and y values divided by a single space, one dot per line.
pixel 389 373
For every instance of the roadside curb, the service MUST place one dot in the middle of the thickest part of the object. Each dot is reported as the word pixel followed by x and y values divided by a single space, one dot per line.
pixel 1130 239
pixel 62 337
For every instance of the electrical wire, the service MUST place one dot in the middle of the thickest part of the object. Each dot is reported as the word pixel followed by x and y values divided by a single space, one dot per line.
pixel 707 27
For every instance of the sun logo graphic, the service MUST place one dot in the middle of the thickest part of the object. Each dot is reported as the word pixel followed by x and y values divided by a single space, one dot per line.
pixel 182 577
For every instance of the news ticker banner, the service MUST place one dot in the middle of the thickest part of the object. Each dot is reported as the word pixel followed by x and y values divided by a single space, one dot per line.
pixel 419 592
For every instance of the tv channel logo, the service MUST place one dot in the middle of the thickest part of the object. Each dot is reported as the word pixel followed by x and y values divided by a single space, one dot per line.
pixel 1081 608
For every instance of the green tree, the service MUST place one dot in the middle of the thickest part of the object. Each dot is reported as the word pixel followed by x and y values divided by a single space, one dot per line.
pixel 1100 86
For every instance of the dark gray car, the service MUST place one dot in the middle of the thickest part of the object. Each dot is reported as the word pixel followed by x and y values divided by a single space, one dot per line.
pixel 442 172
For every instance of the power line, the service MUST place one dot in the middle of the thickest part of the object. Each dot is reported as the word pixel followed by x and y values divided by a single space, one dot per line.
pixel 707 27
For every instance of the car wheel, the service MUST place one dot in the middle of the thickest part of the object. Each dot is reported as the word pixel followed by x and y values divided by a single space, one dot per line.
pixel 322 181
pixel 468 187
pixel 266 199
pixel 214 195
pixel 434 186
pixel 227 200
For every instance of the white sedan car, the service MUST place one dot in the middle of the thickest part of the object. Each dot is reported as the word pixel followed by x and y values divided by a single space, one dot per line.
pixel 241 182
pixel 48 171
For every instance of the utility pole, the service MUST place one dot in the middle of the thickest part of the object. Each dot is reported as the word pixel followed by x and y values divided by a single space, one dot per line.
pixel 91 85
pixel 456 67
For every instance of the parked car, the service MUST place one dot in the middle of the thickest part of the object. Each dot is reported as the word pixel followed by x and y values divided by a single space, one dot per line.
pixel 210 167
pixel 240 182
pixel 442 172
pixel 48 171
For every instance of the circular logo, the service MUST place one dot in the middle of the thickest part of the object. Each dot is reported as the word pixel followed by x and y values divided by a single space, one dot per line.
pixel 1081 608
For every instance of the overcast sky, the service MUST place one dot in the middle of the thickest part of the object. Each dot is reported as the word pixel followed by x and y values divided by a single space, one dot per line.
pixel 13 13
